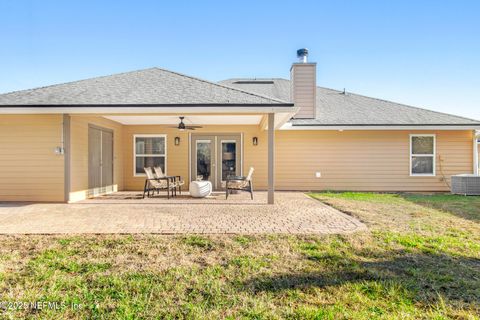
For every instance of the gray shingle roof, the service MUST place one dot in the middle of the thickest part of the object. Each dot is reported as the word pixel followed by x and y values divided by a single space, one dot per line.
pixel 336 108
pixel 157 86
pixel 149 86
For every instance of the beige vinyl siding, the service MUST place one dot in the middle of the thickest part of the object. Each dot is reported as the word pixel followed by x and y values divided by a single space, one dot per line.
pixel 348 160
pixel 79 154
pixel 178 156
pixel 29 168
pixel 365 160
pixel 303 91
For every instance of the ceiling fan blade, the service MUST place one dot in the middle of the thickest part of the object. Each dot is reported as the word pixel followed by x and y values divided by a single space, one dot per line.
pixel 194 127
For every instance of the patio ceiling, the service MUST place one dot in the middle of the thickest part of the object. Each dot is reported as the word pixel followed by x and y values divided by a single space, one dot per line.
pixel 189 119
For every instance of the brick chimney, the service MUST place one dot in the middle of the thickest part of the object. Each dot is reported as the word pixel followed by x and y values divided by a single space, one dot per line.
pixel 303 82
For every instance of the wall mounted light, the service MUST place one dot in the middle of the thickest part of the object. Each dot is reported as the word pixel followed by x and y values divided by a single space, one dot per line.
pixel 177 141
pixel 255 141
pixel 59 150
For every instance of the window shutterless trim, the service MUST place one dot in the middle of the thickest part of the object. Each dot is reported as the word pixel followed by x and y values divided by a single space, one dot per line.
pixel 433 155
pixel 135 155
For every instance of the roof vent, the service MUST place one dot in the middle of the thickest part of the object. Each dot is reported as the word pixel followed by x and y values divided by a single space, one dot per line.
pixel 254 82
pixel 302 55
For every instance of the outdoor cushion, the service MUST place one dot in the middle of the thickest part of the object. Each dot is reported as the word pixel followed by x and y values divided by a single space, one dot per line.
pixel 159 172
pixel 235 184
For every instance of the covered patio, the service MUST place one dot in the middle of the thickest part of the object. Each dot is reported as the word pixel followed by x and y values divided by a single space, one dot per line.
pixel 126 212
pixel 119 145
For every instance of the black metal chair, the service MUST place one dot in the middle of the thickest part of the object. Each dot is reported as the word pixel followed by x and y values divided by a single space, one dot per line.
pixel 240 183
pixel 177 180
pixel 153 183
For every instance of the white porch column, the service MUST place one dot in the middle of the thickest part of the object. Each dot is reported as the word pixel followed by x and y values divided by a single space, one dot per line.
pixel 476 136
pixel 271 158
pixel 66 156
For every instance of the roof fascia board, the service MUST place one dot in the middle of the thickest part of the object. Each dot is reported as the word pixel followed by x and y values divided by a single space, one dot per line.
pixel 141 105
pixel 289 126
pixel 219 109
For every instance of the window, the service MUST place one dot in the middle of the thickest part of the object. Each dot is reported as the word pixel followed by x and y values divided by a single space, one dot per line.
pixel 422 155
pixel 149 150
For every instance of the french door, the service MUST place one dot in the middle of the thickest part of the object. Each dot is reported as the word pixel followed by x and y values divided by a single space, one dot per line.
pixel 100 160
pixel 215 157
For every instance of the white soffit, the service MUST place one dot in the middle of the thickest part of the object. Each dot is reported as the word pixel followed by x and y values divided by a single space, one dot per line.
pixel 189 120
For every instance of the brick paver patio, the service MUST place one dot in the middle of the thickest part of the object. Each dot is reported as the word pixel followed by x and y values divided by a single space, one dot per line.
pixel 126 212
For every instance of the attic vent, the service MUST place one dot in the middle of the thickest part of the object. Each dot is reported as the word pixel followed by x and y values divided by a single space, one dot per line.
pixel 254 82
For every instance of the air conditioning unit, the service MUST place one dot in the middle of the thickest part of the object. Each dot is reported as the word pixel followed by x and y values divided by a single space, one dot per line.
pixel 466 184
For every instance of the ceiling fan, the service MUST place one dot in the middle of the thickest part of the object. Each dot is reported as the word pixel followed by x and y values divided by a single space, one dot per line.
pixel 182 127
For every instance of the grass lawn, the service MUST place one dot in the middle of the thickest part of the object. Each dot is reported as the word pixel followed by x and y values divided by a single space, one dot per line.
pixel 420 259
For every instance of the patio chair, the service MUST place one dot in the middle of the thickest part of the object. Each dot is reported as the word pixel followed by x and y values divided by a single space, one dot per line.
pixel 240 183
pixel 159 172
pixel 178 179
pixel 153 183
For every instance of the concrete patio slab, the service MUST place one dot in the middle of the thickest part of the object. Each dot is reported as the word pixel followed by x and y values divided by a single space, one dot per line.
pixel 126 212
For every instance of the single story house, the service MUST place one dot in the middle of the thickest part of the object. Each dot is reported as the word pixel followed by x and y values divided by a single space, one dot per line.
pixel 70 141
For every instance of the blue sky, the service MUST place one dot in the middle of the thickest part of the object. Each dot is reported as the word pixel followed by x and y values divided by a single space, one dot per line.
pixel 423 53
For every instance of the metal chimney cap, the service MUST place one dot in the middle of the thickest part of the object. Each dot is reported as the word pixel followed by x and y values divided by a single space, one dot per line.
pixel 302 52
pixel 302 55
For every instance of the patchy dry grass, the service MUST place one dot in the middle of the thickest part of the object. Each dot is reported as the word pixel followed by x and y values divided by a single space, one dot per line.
pixel 408 212
pixel 421 260
pixel 464 207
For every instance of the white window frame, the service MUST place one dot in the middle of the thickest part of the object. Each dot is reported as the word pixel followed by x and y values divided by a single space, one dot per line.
pixel 135 136
pixel 434 155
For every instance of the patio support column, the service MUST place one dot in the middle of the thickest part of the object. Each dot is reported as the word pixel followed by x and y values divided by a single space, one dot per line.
pixel 66 155
pixel 476 136
pixel 271 158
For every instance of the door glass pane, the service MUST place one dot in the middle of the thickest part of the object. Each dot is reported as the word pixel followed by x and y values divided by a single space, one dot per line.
pixel 204 159
pixel 422 145
pixel 422 165
pixel 146 162
pixel 150 145
pixel 229 159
